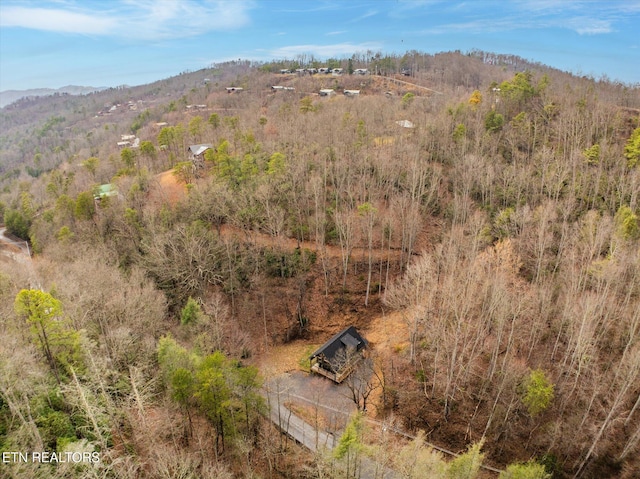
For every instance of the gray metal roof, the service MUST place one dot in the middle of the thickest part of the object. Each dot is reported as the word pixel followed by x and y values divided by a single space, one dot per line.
pixel 197 150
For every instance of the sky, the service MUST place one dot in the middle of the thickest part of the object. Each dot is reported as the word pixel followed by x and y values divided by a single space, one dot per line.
pixel 109 43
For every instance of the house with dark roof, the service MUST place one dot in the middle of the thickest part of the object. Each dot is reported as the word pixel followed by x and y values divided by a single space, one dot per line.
pixel 339 356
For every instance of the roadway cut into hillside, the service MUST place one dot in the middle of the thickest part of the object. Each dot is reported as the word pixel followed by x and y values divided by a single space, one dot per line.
pixel 166 188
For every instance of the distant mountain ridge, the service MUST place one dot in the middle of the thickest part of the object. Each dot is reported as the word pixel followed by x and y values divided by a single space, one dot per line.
pixel 9 96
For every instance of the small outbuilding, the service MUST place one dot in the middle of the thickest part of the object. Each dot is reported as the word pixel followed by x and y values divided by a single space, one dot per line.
pixel 339 356
pixel 195 153
pixel 104 191
pixel 405 124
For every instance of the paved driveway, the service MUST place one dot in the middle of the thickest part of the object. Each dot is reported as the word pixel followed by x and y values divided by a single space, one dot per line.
pixel 326 409
pixel 322 401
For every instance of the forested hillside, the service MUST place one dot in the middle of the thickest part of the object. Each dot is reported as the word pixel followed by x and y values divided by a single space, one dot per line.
pixel 475 216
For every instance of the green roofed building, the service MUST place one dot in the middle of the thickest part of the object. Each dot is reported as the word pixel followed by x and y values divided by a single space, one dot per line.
pixel 103 191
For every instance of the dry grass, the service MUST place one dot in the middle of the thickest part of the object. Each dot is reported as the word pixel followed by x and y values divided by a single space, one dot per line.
pixel 387 333
pixel 167 189
pixel 285 358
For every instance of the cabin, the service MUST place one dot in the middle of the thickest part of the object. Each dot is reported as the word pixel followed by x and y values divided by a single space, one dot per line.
pixel 195 153
pixel 339 356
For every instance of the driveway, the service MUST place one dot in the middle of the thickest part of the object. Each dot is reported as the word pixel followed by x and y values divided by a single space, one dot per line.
pixel 11 243
pixel 313 410
pixel 318 400
pixel 18 251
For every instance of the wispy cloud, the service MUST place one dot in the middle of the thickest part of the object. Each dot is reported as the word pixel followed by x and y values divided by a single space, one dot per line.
pixel 407 8
pixel 535 15
pixel 317 6
pixel 130 19
pixel 583 17
pixel 324 51
pixel 339 32
pixel 364 16
pixel 487 25
pixel 589 26
pixel 55 20
pixel 409 4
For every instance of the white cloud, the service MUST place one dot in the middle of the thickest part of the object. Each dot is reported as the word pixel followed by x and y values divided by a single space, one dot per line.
pixel 589 26
pixel 324 51
pixel 133 19
pixel 540 19
pixel 585 18
pixel 409 4
pixel 55 20
pixel 364 16
pixel 478 26
pixel 168 19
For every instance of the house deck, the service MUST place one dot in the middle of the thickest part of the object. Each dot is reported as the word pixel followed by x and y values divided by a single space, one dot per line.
pixel 336 377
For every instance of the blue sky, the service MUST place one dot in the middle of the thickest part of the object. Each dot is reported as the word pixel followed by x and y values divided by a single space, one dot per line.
pixel 114 42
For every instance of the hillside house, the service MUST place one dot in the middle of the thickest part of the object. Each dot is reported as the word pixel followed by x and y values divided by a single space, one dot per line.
pixel 339 356
pixel 195 153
